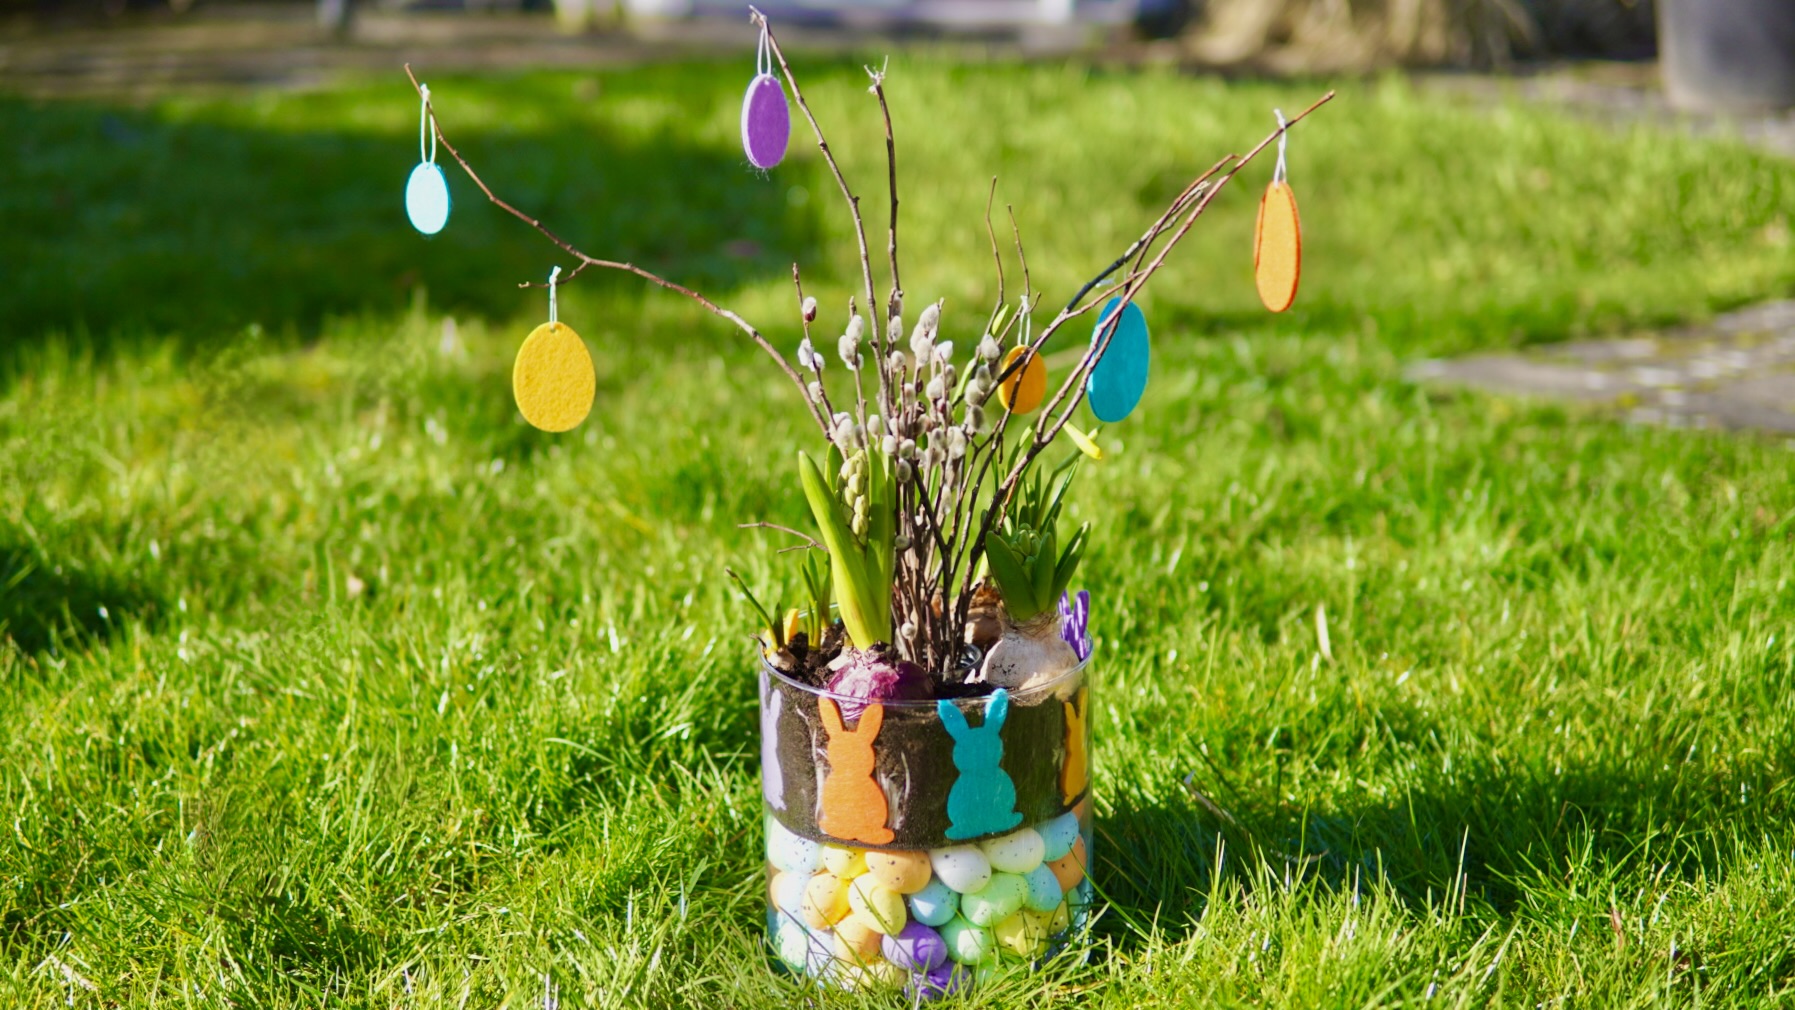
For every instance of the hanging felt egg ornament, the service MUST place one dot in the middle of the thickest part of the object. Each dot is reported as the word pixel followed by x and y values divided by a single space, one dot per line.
pixel 1278 239
pixel 1026 386
pixel 427 191
pixel 1120 375
pixel 766 118
pixel 553 379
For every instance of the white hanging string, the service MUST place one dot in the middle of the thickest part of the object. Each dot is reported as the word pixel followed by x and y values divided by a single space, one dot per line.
pixel 553 316
pixel 763 54
pixel 425 121
pixel 1278 173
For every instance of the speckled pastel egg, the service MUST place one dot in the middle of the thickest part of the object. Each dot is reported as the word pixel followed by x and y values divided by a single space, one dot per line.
pixel 820 960
pixel 1069 868
pixel 1059 919
pixel 967 943
pixel 1058 835
pixel 935 904
pixel 857 940
pixel 916 947
pixel 786 892
pixel 903 872
pixel 961 867
pixel 999 900
pixel 1044 893
pixel 801 949
pixel 787 851
pixel 944 980
pixel 825 901
pixel 877 904
pixel 1016 852
pixel 1023 934
pixel 844 863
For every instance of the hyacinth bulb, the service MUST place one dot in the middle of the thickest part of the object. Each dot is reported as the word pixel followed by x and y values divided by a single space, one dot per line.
pixel 865 675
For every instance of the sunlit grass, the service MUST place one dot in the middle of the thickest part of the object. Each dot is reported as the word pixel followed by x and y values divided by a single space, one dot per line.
pixel 334 681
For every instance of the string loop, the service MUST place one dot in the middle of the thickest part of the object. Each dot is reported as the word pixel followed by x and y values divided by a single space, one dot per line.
pixel 763 54
pixel 425 123
pixel 553 315
pixel 1278 173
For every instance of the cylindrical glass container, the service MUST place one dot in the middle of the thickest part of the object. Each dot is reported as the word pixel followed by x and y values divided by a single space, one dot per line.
pixel 924 844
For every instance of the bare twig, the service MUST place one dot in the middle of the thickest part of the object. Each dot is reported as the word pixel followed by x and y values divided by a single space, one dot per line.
pixel 801 535
pixel 591 261
pixel 866 264
pixel 895 304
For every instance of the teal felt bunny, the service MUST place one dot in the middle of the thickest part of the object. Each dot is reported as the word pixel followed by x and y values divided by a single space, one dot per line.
pixel 983 799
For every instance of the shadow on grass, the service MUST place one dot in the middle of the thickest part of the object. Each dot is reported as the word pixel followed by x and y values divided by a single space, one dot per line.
pixel 1492 836
pixel 190 224
pixel 44 602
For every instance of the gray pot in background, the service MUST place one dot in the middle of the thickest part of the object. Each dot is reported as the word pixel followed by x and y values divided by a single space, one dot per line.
pixel 1728 55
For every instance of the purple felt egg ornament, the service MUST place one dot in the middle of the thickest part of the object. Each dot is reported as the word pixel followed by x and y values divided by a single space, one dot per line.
pixel 766 122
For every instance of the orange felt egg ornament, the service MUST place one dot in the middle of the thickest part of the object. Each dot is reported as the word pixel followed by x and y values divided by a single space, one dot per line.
pixel 1277 247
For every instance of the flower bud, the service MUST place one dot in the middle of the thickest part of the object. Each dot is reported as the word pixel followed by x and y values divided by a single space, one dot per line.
pixel 930 321
pixel 889 445
pixel 988 349
pixel 975 416
pixel 875 425
pixel 810 310
pixel 904 474
pixel 907 449
pixel 815 389
pixel 849 351
pixel 936 390
pixel 956 443
pixel 893 327
pixel 896 363
pixel 856 327
pixel 944 352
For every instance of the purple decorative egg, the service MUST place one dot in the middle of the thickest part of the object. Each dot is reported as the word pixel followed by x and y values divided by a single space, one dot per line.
pixel 916 948
pixel 766 122
pixel 941 981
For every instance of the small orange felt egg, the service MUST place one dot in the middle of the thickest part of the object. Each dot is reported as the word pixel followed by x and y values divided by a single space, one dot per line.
pixel 1277 247
pixel 553 379
pixel 1026 387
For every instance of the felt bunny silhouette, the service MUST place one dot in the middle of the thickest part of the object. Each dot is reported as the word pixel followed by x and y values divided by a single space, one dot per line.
pixel 852 806
pixel 1074 775
pixel 772 780
pixel 983 799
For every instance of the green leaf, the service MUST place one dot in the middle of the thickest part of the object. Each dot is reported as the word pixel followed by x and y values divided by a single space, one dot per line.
pixel 1013 580
pixel 1069 559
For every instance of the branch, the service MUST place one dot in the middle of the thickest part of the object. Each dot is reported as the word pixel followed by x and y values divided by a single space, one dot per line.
pixel 896 304
pixel 591 261
pixel 759 20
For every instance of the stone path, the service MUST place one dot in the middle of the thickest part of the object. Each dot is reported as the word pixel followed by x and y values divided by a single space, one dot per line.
pixel 1736 372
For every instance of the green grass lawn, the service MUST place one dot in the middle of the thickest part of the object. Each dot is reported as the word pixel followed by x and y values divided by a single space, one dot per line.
pixel 332 683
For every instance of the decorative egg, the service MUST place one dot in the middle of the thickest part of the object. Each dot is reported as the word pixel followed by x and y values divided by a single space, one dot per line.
pixel 427 198
pixel 903 872
pixel 825 901
pixel 1044 892
pixel 794 942
pixel 553 380
pixel 789 852
pixel 1277 247
pixel 935 904
pixel 961 867
pixel 944 980
pixel 786 891
pixel 1058 835
pixel 1069 868
pixel 999 900
pixel 1023 934
pixel 1016 852
pixel 1120 375
pixel 844 863
pixel 766 122
pixel 915 947
pixel 856 940
pixel 1026 387
pixel 1060 918
pixel 967 943
pixel 877 904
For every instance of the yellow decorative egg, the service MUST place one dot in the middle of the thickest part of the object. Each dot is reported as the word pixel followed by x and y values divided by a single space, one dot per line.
pixel 553 379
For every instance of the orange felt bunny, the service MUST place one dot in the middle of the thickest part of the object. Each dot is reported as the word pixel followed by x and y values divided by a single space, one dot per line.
pixel 853 806
pixel 1073 774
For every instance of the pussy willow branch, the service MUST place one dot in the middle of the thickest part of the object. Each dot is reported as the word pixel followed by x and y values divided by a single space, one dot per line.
pixel 874 325
pixel 1074 386
pixel 895 304
pixel 591 261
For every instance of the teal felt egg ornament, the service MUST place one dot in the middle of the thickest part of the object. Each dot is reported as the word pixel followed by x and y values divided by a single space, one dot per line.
pixel 1120 375
pixel 427 198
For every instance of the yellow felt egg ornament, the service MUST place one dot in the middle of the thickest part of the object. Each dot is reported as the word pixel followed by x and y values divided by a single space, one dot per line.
pixel 553 379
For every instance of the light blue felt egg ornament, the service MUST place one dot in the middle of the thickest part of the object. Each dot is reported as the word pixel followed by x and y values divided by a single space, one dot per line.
pixel 427 198
pixel 1120 375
